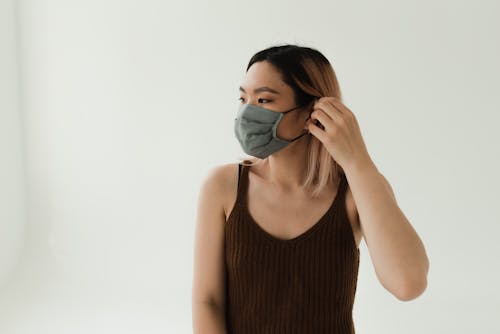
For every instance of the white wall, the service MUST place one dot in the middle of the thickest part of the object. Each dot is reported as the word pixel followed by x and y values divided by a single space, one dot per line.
pixel 12 178
pixel 125 105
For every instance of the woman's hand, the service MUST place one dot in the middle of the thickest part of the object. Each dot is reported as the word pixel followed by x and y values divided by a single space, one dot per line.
pixel 341 135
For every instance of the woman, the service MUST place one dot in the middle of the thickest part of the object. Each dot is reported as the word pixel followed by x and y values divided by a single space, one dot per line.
pixel 277 235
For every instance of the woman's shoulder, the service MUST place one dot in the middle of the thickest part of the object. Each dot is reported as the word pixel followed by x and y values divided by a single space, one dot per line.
pixel 226 176
pixel 227 173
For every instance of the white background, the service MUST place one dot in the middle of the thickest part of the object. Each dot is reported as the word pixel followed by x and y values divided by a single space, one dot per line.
pixel 112 112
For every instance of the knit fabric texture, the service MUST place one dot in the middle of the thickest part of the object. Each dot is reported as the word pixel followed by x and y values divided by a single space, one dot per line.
pixel 306 284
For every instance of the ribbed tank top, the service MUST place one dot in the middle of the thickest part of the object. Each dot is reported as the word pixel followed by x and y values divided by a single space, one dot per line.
pixel 306 284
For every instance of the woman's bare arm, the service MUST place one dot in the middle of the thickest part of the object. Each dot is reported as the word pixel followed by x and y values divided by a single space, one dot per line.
pixel 208 289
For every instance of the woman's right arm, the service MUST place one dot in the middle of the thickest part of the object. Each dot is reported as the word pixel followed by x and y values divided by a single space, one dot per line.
pixel 208 285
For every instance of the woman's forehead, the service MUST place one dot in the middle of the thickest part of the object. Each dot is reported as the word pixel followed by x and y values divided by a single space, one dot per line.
pixel 263 70
pixel 262 76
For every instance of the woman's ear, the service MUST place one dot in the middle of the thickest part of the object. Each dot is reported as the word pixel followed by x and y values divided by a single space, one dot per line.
pixel 308 120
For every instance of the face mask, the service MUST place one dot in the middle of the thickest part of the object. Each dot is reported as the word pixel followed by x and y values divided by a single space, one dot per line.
pixel 255 128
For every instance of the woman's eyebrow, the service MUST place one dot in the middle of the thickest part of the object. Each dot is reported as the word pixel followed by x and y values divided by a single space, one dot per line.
pixel 262 89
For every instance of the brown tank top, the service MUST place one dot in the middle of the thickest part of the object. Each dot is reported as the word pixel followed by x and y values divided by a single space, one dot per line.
pixel 306 284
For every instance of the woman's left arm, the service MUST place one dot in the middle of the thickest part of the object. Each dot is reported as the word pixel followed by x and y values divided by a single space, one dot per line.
pixel 397 253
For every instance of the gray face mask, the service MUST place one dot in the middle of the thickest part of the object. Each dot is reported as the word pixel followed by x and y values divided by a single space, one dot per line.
pixel 255 128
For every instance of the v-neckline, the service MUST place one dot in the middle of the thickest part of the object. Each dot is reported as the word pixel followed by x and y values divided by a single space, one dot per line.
pixel 259 229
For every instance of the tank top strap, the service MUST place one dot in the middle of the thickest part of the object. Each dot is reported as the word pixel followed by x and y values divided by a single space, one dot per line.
pixel 341 193
pixel 242 185
pixel 343 184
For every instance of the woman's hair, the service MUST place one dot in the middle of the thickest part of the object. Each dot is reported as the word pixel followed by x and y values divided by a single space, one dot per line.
pixel 311 76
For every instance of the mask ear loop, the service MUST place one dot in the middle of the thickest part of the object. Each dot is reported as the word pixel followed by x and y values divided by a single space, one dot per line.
pixel 306 132
pixel 311 104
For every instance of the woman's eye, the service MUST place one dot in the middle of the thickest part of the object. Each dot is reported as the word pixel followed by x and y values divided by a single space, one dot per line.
pixel 260 100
